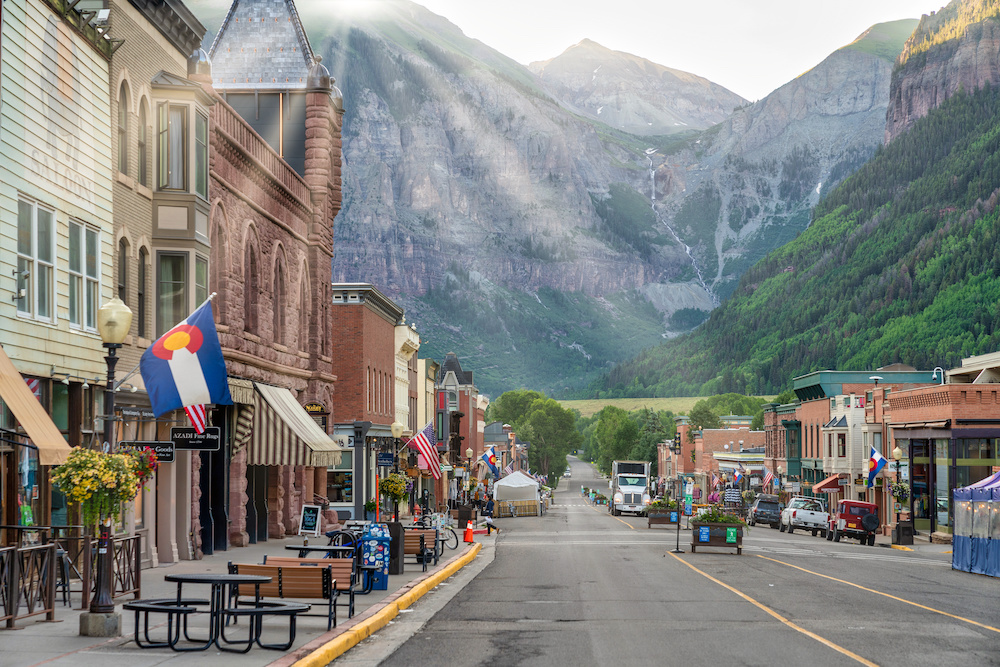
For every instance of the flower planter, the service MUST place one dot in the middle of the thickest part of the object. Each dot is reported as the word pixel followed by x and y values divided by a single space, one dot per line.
pixel 726 535
pixel 655 517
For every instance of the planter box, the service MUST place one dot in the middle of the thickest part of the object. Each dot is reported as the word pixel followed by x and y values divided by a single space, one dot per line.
pixel 663 517
pixel 729 535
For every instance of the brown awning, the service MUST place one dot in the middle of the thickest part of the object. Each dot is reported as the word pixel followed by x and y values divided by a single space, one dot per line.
pixel 285 434
pixel 52 446
pixel 829 485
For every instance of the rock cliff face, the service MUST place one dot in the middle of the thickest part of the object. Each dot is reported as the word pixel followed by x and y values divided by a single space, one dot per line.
pixel 955 48
pixel 749 184
pixel 633 94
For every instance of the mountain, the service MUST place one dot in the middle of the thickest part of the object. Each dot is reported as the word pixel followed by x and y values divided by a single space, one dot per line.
pixel 748 185
pixel 633 94
pixel 898 265
pixel 957 48
pixel 519 230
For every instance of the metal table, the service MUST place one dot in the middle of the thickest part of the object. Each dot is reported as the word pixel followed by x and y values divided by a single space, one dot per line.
pixel 222 589
pixel 305 549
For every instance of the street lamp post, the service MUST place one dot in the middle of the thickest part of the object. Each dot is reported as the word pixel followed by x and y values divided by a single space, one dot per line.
pixel 397 431
pixel 675 449
pixel 114 319
pixel 468 473
pixel 897 455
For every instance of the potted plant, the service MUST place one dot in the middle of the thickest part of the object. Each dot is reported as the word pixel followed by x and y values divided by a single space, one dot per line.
pixel 370 509
pixel 663 510
pixel 713 527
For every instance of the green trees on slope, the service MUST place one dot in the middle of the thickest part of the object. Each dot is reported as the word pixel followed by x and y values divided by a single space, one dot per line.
pixel 899 265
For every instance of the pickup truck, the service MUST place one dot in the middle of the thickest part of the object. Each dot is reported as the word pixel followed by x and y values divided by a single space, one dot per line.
pixel 805 513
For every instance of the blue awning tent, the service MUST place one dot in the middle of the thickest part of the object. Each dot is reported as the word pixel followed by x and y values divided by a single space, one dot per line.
pixel 976 541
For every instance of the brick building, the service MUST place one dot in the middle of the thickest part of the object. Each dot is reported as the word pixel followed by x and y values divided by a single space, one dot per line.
pixel 364 405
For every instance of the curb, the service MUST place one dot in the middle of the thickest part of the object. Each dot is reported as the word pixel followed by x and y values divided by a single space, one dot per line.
pixel 376 620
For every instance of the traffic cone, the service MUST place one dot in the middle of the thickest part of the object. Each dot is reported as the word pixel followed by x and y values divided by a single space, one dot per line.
pixel 468 533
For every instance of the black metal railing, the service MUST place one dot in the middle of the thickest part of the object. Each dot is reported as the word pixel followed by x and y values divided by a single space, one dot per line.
pixel 28 582
pixel 126 578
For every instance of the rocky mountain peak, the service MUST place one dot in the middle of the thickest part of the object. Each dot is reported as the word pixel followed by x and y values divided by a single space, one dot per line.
pixel 631 93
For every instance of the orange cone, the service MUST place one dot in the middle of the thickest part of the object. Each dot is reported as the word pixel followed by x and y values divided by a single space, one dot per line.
pixel 468 533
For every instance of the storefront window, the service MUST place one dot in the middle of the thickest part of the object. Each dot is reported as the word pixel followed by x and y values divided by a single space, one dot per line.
pixel 340 480
pixel 921 485
pixel 29 503
pixel 942 462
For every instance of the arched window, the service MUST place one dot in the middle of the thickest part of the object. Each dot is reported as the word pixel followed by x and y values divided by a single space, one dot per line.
pixel 250 291
pixel 142 143
pixel 141 292
pixel 123 129
pixel 279 302
pixel 123 270
pixel 304 304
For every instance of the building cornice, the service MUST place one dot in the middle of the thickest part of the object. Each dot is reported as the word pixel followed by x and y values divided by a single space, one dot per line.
pixel 174 21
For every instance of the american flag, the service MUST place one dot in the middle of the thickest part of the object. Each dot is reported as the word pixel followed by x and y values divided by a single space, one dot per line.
pixel 196 413
pixel 425 442
pixel 715 480
pixel 509 469
pixel 768 478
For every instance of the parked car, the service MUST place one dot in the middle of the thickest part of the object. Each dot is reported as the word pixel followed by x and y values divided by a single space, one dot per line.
pixel 765 509
pixel 806 513
pixel 568 473
pixel 854 519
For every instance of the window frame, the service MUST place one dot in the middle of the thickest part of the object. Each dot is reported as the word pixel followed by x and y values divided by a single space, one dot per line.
pixel 142 146
pixel 122 161
pixel 166 159
pixel 122 286
pixel 34 264
pixel 140 296
pixel 201 155
pixel 89 284
pixel 161 255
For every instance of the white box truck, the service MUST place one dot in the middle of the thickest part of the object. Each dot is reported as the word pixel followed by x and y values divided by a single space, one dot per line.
pixel 629 487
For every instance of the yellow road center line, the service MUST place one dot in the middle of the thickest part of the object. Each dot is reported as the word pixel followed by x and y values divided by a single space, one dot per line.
pixel 779 617
pixel 892 597
pixel 631 527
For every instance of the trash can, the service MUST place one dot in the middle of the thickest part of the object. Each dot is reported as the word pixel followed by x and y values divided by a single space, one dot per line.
pixel 902 534
pixel 396 548
pixel 375 553
pixel 466 513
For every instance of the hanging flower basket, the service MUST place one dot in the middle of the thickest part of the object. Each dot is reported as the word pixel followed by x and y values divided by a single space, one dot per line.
pixel 900 491
pixel 101 482
pixel 393 486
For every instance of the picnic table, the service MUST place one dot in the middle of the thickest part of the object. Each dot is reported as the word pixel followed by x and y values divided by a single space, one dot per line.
pixel 305 549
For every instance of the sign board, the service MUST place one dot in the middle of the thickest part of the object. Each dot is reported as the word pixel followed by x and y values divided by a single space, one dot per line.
pixel 897 507
pixel 687 509
pixel 863 481
pixel 385 459
pixel 673 517
pixel 164 449
pixel 843 481
pixel 703 533
pixel 135 413
pixel 185 438
pixel 309 520
pixel 730 535
pixel 793 487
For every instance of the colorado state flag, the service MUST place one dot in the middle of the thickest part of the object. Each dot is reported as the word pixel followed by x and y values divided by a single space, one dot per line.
pixel 490 457
pixel 875 463
pixel 185 367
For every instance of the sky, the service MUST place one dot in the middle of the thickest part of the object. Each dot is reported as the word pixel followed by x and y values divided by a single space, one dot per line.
pixel 750 47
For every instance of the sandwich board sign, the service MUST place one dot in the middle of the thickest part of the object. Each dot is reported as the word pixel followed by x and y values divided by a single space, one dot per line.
pixel 309 520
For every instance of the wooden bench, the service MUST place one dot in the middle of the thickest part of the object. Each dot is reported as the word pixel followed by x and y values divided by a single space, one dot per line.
pixel 309 583
pixel 422 543
pixel 343 570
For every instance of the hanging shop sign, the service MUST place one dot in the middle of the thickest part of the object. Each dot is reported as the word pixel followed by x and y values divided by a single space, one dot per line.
pixel 186 438
pixel 164 449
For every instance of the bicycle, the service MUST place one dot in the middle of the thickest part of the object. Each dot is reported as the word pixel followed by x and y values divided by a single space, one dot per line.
pixel 448 536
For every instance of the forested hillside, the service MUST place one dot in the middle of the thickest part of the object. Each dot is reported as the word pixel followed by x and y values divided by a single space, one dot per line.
pixel 900 264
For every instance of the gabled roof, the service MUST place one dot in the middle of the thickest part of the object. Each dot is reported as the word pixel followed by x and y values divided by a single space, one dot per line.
pixel 167 80
pixel 261 44
pixel 451 363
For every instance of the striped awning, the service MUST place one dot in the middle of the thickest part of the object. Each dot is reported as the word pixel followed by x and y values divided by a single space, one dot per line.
pixel 45 436
pixel 285 434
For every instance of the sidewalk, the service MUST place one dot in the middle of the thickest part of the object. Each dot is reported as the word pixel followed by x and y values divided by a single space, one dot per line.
pixel 58 644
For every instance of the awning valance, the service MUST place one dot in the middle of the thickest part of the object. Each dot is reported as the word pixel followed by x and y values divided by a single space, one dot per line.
pixel 52 446
pixel 285 434
pixel 829 485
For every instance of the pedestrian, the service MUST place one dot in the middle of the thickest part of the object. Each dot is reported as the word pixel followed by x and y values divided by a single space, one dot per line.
pixel 488 513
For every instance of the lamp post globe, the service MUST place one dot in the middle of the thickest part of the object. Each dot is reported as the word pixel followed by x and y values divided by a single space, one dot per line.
pixel 114 319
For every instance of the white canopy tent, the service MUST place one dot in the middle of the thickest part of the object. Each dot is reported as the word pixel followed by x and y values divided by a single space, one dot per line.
pixel 515 486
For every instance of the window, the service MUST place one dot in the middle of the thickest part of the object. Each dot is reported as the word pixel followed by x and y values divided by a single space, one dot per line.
pixel 141 291
pixel 172 143
pixel 123 270
pixel 201 155
pixel 84 281
pixel 35 252
pixel 841 445
pixel 868 398
pixel 141 145
pixel 303 313
pixel 123 129
pixel 278 303
pixel 172 291
pixel 200 280
pixel 250 293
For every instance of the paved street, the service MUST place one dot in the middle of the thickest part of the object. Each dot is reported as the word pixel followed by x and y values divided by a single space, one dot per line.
pixel 580 587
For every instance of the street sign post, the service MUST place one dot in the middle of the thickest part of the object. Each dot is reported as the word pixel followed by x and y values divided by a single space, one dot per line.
pixel 164 449
pixel 186 438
